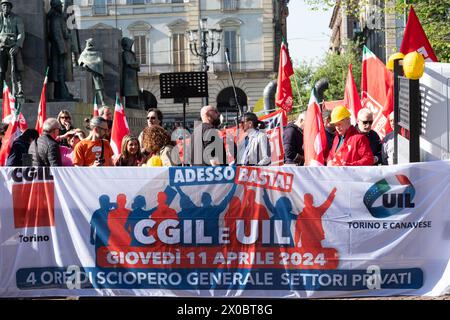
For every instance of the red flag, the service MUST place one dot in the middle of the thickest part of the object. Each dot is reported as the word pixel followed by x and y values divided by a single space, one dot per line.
pixel 119 128
pixel 415 39
pixel 42 111
pixel 376 82
pixel 10 135
pixel 314 136
pixel 96 114
pixel 6 104
pixel 351 96
pixel 9 109
pixel 284 98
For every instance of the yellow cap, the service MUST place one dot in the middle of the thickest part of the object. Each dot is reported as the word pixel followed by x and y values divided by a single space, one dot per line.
pixel 392 58
pixel 339 113
pixel 413 65
pixel 154 161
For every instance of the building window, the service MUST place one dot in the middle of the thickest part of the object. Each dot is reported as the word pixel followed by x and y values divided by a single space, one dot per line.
pixel 230 41
pixel 140 49
pixel 179 52
pixel 99 7
pixel 229 5
pixel 136 1
pixel 177 1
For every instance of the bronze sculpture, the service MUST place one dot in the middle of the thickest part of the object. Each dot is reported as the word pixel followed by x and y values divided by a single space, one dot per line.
pixel 130 68
pixel 60 53
pixel 93 62
pixel 12 36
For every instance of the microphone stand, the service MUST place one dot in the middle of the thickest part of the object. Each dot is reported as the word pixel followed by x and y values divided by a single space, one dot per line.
pixel 239 109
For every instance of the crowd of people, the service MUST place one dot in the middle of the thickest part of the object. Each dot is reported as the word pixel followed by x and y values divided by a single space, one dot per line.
pixel 63 145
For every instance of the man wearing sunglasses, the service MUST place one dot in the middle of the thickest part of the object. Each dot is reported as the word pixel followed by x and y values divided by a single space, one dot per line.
pixel 364 126
pixel 350 148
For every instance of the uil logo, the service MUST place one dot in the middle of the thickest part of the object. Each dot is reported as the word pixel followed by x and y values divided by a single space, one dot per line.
pixel 393 197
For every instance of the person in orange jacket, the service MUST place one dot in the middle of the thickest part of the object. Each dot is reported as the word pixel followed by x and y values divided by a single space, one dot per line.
pixel 350 148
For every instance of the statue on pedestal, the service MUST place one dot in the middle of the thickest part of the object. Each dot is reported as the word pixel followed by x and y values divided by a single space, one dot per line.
pixel 12 36
pixel 93 62
pixel 130 69
pixel 60 53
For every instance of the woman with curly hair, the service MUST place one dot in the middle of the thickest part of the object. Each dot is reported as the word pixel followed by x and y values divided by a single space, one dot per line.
pixel 131 155
pixel 156 142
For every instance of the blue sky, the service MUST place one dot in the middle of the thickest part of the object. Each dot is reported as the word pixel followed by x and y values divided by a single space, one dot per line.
pixel 308 34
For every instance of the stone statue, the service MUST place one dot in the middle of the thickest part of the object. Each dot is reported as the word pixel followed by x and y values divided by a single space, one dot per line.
pixel 130 69
pixel 93 61
pixel 73 36
pixel 12 36
pixel 60 53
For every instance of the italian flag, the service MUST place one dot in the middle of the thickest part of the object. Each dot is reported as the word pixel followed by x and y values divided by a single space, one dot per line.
pixel 119 128
pixel 42 111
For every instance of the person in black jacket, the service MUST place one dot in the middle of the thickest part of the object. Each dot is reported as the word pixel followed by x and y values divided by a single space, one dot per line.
pixel 365 120
pixel 20 146
pixel 45 151
pixel 207 147
pixel 293 142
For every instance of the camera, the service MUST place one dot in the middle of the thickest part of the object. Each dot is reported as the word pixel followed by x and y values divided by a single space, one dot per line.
pixel 99 158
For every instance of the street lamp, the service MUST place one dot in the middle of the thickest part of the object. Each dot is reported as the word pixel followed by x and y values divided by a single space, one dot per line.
pixel 209 38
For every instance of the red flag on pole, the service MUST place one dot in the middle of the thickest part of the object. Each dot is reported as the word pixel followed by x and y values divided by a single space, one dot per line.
pixel 376 83
pixel 415 39
pixel 351 96
pixel 314 136
pixel 284 98
pixel 6 103
pixel 9 110
pixel 42 111
pixel 96 114
pixel 119 128
pixel 10 135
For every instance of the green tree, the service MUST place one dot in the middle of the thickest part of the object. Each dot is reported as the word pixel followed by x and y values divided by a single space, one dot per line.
pixel 301 87
pixel 434 15
pixel 435 19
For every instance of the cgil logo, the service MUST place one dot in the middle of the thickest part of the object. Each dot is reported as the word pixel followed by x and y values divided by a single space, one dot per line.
pixel 33 197
pixel 393 201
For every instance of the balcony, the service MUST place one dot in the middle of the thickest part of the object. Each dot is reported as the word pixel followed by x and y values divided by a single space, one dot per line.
pixel 246 66
pixel 229 5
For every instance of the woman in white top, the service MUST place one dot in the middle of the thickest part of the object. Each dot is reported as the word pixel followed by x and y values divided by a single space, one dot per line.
pixel 255 148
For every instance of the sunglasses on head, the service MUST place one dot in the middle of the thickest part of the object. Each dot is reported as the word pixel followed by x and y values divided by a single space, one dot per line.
pixel 367 122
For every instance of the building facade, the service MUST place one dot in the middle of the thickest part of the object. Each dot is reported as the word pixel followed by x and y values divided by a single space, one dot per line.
pixel 374 21
pixel 160 29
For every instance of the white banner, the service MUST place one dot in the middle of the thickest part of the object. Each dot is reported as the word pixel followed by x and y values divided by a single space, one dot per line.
pixel 225 231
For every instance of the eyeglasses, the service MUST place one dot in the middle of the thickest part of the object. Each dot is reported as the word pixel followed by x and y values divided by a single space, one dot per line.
pixel 151 118
pixel 367 122
pixel 64 117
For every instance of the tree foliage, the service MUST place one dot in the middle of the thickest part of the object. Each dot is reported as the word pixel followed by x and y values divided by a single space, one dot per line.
pixel 334 67
pixel 434 15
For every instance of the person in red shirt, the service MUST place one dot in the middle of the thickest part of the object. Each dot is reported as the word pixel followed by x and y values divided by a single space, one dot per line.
pixel 350 148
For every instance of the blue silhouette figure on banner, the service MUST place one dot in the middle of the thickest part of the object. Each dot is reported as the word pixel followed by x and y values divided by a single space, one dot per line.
pixel 138 213
pixel 100 232
pixel 208 212
pixel 281 211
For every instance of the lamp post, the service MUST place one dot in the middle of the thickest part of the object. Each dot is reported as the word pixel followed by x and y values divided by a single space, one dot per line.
pixel 209 39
